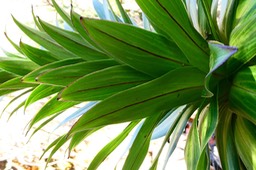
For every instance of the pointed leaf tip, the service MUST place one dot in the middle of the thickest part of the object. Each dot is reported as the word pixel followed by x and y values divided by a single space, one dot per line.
pixel 220 53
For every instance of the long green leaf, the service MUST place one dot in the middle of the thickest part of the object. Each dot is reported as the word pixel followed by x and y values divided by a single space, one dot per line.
pixel 13 44
pixel 208 122
pixel 207 24
pixel 15 84
pixel 225 141
pixel 166 92
pixel 5 76
pixel 204 160
pixel 35 20
pixel 31 77
pixel 79 137
pixel 245 140
pixel 56 145
pixel 111 146
pixel 47 42
pixel 39 127
pixel 123 13
pixel 17 66
pixel 219 55
pixel 13 55
pixel 69 73
pixel 143 50
pixel 62 139
pixel 16 98
pixel 226 22
pixel 64 15
pixel 103 83
pixel 16 108
pixel 40 92
pixel 176 131
pixel 243 93
pixel 40 57
pixel 172 19
pixel 72 42
pixel 53 106
pixel 75 18
pixel 139 148
pixel 242 37
pixel 245 10
pixel 192 149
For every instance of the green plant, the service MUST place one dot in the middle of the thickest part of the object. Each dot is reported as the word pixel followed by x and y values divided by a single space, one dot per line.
pixel 196 57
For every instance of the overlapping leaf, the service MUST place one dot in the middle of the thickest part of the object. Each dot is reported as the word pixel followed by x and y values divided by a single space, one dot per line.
pixel 31 77
pixel 104 152
pixel 15 84
pixel 103 83
pixel 226 146
pixel 17 66
pixel 243 93
pixel 171 18
pixel 143 50
pixel 40 92
pixel 38 56
pixel 243 37
pixel 4 76
pixel 46 41
pixel 139 148
pixel 165 93
pixel 75 18
pixel 69 73
pixel 245 138
pixel 53 106
pixel 72 42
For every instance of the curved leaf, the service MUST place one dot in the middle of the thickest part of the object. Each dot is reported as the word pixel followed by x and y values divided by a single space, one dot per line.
pixel 15 84
pixel 40 57
pixel 219 55
pixel 75 18
pixel 103 83
pixel 143 50
pixel 31 77
pixel 72 42
pixel 172 19
pixel 16 98
pixel 175 132
pixel 245 10
pixel 242 95
pixel 17 66
pixel 245 140
pixel 166 92
pixel 13 44
pixel 40 92
pixel 64 15
pixel 5 76
pixel 123 13
pixel 225 141
pixel 242 37
pixel 164 126
pixel 69 73
pixel 192 148
pixel 104 152
pixel 77 113
pixel 139 148
pixel 53 106
pixel 43 39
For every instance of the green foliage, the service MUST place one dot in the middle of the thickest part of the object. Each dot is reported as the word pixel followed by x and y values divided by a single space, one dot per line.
pixel 196 60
